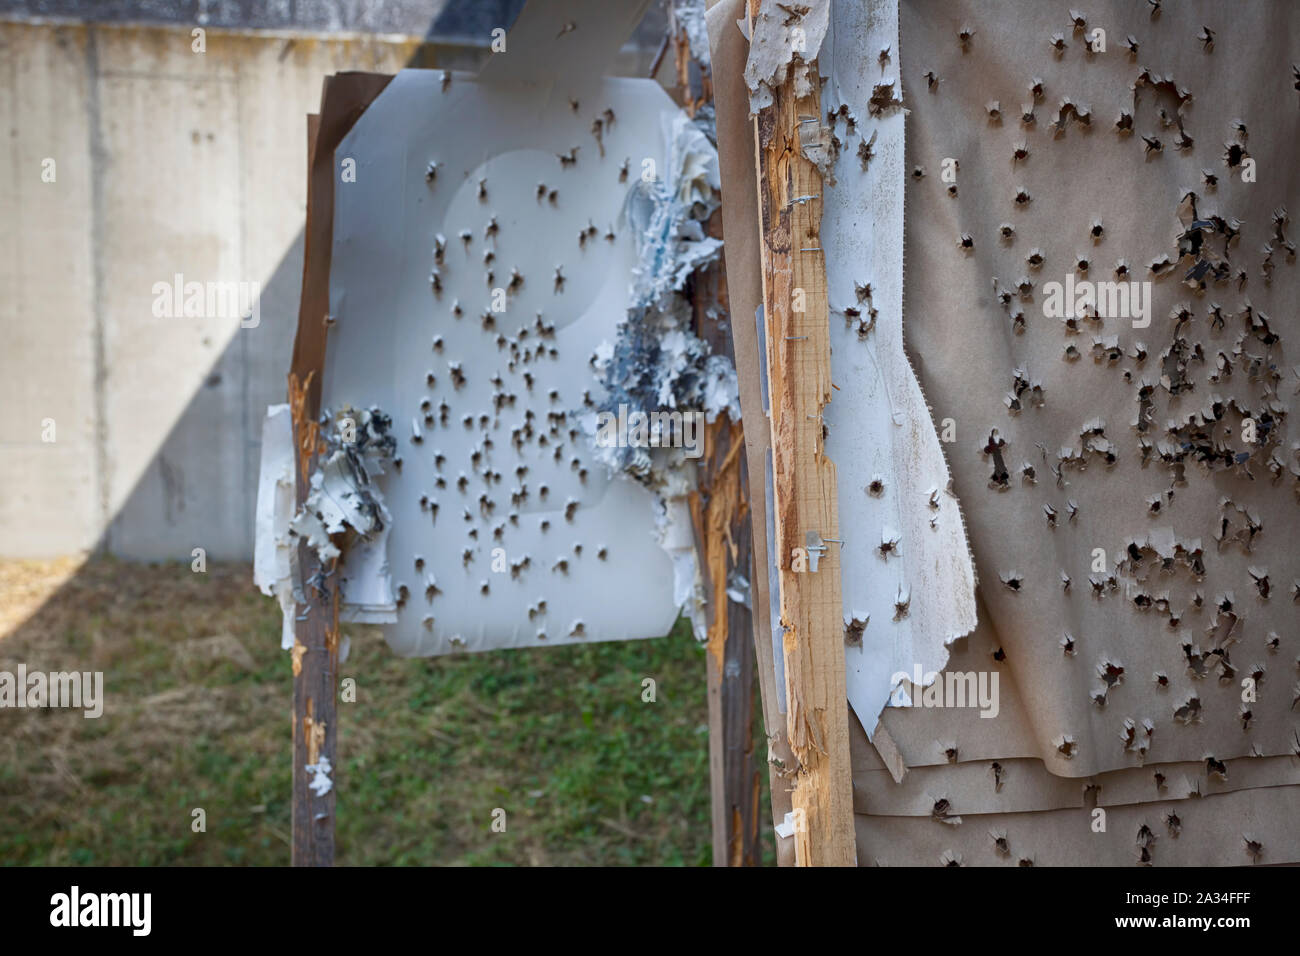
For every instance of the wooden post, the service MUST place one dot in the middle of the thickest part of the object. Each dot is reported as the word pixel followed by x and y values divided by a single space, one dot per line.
pixel 720 514
pixel 315 661
pixel 720 511
pixel 798 363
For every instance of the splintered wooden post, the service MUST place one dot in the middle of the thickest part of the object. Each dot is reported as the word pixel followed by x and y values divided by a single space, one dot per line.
pixel 315 654
pixel 720 514
pixel 315 662
pixel 798 362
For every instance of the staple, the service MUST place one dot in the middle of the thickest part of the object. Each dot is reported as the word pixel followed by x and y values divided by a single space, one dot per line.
pixel 811 249
pixel 795 338
pixel 803 199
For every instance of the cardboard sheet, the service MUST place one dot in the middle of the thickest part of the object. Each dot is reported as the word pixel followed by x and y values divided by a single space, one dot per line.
pixel 505 512
pixel 1091 192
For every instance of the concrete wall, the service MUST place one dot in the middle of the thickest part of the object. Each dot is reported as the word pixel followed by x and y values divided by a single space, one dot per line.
pixel 166 161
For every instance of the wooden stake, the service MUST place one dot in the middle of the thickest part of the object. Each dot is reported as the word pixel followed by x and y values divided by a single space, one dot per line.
pixel 798 363
pixel 720 515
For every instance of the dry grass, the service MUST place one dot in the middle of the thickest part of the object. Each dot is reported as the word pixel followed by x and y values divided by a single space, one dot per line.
pixel 196 714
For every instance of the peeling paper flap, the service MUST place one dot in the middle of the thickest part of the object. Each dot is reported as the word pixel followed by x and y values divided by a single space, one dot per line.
pixel 786 38
pixel 273 548
pixel 906 537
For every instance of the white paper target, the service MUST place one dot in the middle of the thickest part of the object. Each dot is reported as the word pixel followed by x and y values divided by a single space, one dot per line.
pixel 505 532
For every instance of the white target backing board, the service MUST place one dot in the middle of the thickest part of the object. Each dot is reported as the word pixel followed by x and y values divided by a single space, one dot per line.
pixel 504 530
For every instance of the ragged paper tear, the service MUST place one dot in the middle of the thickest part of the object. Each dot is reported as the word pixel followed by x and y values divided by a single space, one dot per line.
pixel 786 37
pixel 274 550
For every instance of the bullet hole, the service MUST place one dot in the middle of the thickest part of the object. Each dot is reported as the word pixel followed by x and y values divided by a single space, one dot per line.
pixel 1019 153
pixel 1007 230
pixel 1066 746
pixel 994 109
pixel 1254 848
pixel 1057 42
pixel 1027 117
pixel 1189 712
pixel 1067 644
pixel 431 172
pixel 1000 478
pixel 446 80
pixel 1035 258
pixel 1124 123
pixel 882 99
pixel 559 279
pixel 1012 580
pixel 918 172
pixel 853 632
pixel 942 812
pixel 902 603
pixel 569 158
pixel 888 545
pixel 570 507
pixel 865 152
pixel 966 241
pixel 1023 198
pixel 876 487
pixel 931 80
pixel 578 630
pixel 1206 37
pixel 964 36
pixel 622 171
pixel 1233 154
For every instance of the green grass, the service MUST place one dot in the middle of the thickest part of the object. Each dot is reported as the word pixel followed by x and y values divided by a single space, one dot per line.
pixel 197 714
